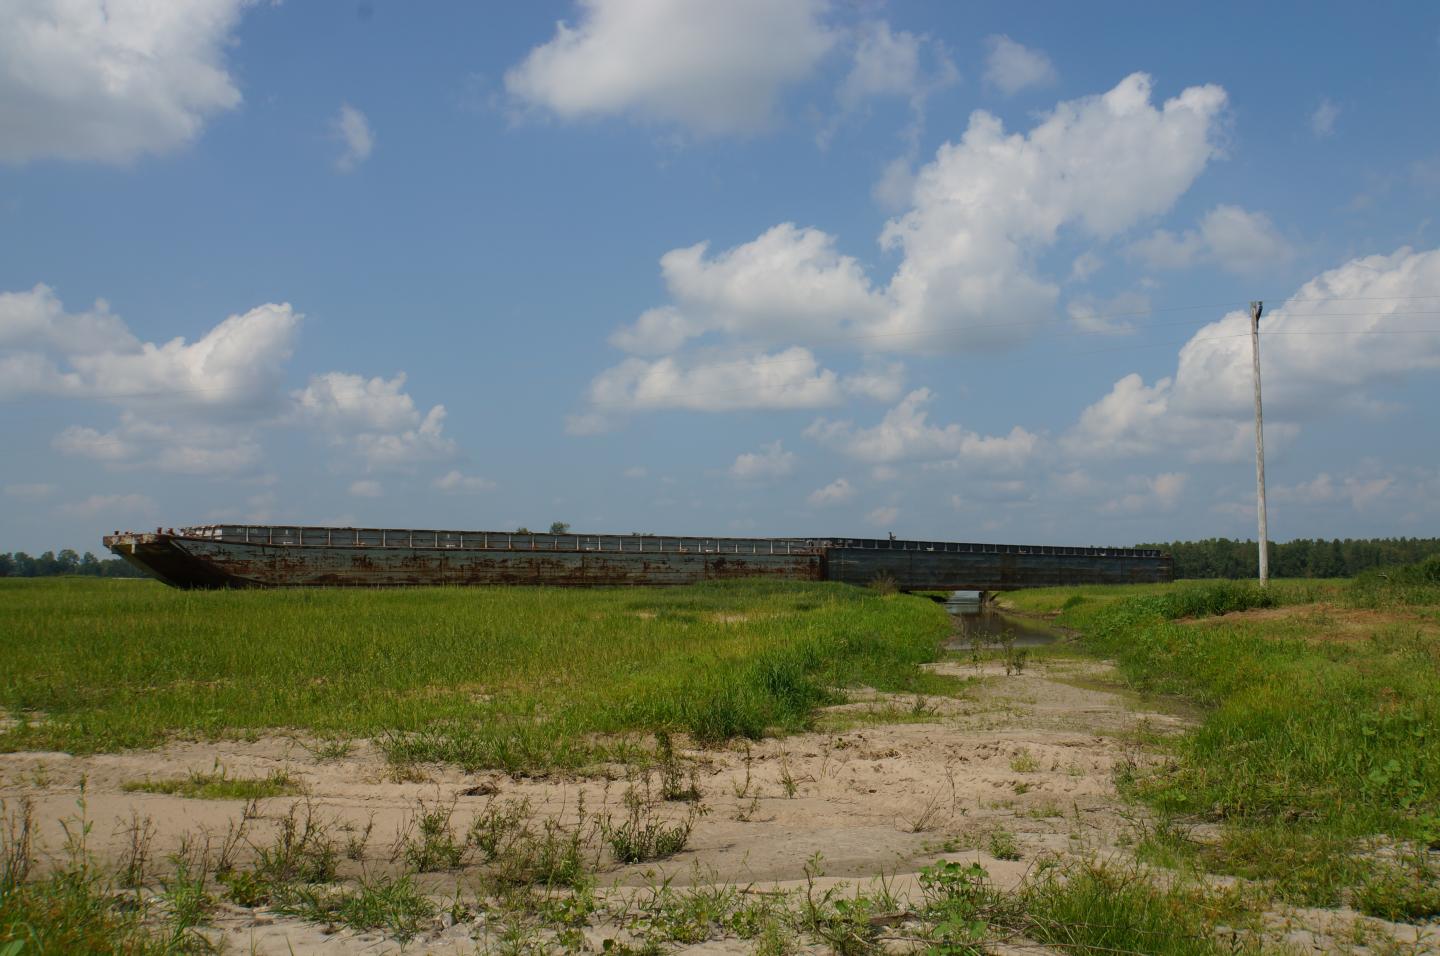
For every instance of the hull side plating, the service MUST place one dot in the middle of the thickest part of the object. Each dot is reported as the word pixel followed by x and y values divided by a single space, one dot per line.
pixel 982 571
pixel 263 556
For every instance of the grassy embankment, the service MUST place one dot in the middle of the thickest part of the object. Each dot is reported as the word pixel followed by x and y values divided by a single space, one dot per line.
pixel 521 679
pixel 1319 750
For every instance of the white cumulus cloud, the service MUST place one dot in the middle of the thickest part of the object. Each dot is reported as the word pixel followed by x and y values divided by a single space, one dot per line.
pixel 791 378
pixel 905 433
pixel 891 63
pixel 119 507
pixel 111 80
pixel 712 68
pixel 788 282
pixel 403 450
pixel 986 206
pixel 375 418
pixel 1085 265
pixel 886 63
pixel 342 400
pixel 1011 67
pixel 233 368
pixel 884 516
pixel 456 482
pixel 1362 491
pixel 36 319
pixel 1322 121
pixel 1324 349
pixel 981 216
pixel 353 130
pixel 1148 493
pixel 198 408
pixel 882 382
pixel 1113 316
pixel 185 407
pixel 771 461
pixel 184 448
pixel 1235 239
pixel 837 492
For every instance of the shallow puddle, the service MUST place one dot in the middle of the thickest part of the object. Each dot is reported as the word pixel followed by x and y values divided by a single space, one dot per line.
pixel 974 620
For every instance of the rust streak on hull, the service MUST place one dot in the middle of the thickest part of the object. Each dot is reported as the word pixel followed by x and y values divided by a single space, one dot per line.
pixel 264 556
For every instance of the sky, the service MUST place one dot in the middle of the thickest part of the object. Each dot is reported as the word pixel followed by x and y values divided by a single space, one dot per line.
pixel 972 272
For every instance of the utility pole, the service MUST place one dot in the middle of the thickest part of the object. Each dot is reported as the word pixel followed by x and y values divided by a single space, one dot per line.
pixel 1255 309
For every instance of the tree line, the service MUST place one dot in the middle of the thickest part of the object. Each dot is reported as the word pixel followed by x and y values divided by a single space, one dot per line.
pixel 1301 558
pixel 21 565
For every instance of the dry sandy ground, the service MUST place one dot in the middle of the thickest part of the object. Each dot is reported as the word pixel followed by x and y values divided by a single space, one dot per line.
pixel 1032 754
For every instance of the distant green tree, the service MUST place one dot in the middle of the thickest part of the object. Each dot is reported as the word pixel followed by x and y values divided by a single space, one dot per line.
pixel 21 565
pixel 120 568
pixel 1301 558
pixel 559 527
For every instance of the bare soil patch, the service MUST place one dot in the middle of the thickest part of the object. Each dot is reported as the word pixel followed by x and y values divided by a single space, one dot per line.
pixel 1024 762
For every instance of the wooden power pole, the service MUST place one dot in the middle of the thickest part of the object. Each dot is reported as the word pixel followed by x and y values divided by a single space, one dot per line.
pixel 1255 309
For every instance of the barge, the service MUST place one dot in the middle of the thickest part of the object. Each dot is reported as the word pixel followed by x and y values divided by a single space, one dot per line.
pixel 244 556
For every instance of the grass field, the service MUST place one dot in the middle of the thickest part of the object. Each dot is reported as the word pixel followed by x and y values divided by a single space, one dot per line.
pixel 521 679
pixel 1314 768
pixel 1319 751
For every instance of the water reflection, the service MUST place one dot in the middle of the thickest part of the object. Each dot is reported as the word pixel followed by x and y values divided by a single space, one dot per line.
pixel 975 620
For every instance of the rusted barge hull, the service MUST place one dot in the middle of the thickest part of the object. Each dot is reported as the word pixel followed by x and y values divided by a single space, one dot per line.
pixel 252 556
pixel 236 556
pixel 994 570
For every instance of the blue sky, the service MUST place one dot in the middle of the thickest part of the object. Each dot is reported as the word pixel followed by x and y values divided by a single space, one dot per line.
pixel 953 271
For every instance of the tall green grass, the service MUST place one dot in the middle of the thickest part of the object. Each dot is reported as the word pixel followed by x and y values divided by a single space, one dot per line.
pixel 1409 584
pixel 1097 909
pixel 519 678
pixel 1306 745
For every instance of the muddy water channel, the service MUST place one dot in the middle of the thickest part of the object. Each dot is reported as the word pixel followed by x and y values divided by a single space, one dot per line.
pixel 976 621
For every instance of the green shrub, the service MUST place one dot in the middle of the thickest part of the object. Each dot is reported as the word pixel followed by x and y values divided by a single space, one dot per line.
pixel 1096 908
pixel 1417 583
pixel 1407 890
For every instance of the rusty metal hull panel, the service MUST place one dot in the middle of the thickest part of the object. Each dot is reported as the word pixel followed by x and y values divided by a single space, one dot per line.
pixel 191 563
pixel 219 556
pixel 918 570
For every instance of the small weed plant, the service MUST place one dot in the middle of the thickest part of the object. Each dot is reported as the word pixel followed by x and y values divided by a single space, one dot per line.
pixel 643 835
pixel 1002 845
pixel 219 785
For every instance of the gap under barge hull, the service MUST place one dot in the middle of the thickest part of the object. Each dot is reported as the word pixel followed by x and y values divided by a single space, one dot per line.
pixel 242 556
